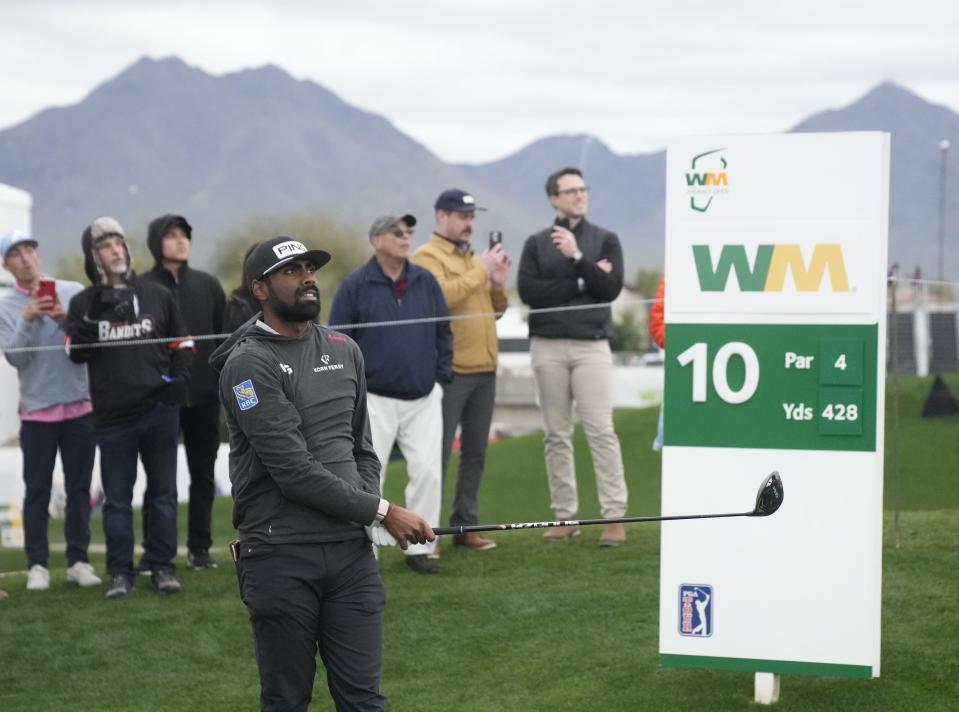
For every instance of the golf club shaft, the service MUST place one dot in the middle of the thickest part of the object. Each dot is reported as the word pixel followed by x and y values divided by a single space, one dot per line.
pixel 440 531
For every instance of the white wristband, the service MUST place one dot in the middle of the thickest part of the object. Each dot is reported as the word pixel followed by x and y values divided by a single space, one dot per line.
pixel 382 510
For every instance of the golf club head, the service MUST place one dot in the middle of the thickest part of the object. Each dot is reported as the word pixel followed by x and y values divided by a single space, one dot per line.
pixel 770 497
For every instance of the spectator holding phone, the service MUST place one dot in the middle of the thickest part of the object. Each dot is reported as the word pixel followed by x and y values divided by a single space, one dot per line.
pixel 575 263
pixel 55 410
pixel 136 391
pixel 472 285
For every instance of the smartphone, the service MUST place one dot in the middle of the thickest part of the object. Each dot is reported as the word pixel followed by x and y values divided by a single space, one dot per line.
pixel 495 238
pixel 47 288
pixel 563 222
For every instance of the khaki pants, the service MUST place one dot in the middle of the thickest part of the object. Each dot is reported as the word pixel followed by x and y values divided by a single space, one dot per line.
pixel 577 371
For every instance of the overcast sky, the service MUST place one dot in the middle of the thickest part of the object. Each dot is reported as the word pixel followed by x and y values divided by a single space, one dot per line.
pixel 475 81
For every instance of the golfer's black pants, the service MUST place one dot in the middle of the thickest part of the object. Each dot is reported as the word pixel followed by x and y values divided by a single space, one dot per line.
pixel 309 598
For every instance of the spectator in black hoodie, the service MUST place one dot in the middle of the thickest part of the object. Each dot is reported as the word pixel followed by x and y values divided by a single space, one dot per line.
pixel 201 301
pixel 136 390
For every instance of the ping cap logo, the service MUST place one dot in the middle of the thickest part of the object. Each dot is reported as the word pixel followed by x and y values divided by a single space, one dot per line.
pixel 288 248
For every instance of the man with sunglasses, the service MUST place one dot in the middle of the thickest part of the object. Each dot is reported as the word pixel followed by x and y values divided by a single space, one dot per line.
pixel 406 365
pixel 574 263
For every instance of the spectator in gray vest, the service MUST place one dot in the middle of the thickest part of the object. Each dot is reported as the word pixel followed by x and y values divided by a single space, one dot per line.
pixel 55 410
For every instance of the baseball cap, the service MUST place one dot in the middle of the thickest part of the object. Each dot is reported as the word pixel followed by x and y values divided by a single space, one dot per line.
pixel 270 255
pixel 385 222
pixel 455 200
pixel 12 239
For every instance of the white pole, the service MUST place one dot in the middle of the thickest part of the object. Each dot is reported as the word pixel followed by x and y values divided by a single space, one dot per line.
pixel 767 688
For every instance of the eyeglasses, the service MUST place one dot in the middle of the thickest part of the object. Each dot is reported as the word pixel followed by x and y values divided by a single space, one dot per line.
pixel 400 234
pixel 584 190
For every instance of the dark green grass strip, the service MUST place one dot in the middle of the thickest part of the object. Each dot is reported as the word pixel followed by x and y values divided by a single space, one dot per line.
pixel 783 667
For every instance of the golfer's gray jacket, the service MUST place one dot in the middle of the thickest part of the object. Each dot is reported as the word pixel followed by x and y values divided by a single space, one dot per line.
pixel 302 463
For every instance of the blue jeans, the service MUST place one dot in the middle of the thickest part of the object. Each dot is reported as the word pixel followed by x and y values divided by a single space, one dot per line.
pixel 39 443
pixel 154 438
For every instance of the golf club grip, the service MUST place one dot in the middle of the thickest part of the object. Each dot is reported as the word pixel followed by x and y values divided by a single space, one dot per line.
pixel 443 531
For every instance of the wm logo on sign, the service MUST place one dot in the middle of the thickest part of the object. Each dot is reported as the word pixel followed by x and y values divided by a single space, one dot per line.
pixel 768 271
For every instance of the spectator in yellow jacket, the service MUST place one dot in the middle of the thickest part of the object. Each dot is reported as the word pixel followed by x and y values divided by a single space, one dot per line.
pixel 472 285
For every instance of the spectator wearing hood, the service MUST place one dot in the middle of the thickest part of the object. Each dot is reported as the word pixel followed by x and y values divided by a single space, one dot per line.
pixel 241 306
pixel 136 389
pixel 201 301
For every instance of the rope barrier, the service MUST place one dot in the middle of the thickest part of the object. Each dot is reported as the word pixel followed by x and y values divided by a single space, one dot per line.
pixel 525 311
pixel 337 327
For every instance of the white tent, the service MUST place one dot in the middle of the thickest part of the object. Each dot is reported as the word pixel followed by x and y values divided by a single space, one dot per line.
pixel 15 205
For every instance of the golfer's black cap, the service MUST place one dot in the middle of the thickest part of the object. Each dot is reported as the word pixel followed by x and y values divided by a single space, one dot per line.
pixel 455 200
pixel 270 255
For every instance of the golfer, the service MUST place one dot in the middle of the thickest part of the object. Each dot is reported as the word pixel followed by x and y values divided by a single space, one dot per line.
pixel 306 485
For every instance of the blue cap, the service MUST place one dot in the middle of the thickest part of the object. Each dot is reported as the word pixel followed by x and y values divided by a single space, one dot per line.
pixel 455 200
pixel 12 239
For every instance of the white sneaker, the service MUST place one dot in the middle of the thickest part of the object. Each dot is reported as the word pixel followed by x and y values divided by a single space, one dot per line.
pixel 82 574
pixel 38 578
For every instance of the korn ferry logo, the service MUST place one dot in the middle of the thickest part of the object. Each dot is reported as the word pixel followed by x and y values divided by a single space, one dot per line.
pixel 706 179
pixel 769 269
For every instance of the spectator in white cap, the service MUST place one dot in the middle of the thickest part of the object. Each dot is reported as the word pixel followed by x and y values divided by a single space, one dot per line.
pixel 55 410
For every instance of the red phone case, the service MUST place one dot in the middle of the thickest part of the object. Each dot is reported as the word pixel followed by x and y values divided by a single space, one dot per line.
pixel 48 288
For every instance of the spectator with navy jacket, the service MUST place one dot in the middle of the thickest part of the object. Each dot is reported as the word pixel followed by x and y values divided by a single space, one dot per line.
pixel 405 365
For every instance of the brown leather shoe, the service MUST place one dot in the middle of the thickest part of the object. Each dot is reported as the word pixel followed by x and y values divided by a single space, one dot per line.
pixel 613 535
pixel 472 540
pixel 560 533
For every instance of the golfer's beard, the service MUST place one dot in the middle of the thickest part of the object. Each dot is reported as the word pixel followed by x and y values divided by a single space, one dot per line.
pixel 298 311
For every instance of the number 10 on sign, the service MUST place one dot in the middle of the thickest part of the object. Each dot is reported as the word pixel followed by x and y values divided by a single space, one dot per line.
pixel 698 356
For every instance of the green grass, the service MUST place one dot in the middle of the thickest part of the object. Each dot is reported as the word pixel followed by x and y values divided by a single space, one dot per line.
pixel 527 626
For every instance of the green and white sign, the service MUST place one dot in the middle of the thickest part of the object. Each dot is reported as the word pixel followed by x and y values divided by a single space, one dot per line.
pixel 775 339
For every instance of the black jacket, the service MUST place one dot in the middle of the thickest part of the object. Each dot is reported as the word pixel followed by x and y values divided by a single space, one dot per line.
pixel 548 279
pixel 406 361
pixel 241 306
pixel 201 301
pixel 302 462
pixel 125 381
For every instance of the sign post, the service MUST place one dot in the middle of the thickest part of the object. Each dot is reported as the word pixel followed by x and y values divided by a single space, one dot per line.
pixel 775 339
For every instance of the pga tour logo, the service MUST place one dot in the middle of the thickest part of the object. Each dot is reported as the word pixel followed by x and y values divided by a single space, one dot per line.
pixel 696 610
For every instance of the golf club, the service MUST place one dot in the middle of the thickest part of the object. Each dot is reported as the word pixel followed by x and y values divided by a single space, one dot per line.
pixel 768 500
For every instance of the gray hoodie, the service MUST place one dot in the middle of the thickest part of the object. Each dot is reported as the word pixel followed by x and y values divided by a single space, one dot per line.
pixel 46 377
pixel 302 462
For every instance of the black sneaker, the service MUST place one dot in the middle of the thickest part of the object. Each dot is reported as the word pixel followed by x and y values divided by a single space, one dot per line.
pixel 120 587
pixel 200 559
pixel 143 568
pixel 422 564
pixel 165 582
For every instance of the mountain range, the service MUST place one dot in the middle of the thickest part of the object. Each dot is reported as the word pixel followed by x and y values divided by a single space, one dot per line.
pixel 163 136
